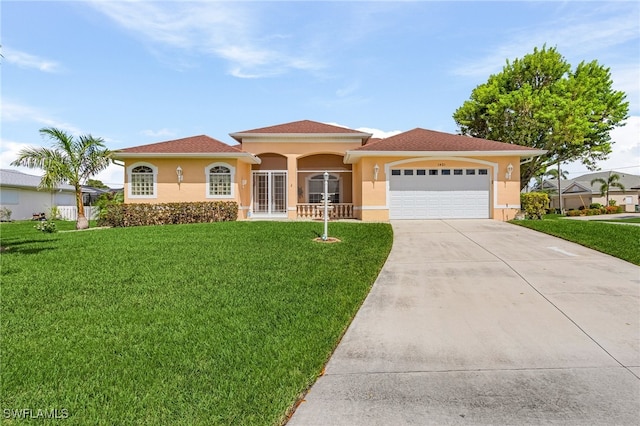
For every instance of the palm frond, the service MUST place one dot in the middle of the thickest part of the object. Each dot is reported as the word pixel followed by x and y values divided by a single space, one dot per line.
pixel 61 140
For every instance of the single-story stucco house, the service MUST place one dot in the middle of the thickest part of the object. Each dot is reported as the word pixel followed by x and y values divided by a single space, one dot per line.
pixel 579 192
pixel 277 172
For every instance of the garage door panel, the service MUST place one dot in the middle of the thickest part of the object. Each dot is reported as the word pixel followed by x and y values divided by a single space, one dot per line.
pixel 439 197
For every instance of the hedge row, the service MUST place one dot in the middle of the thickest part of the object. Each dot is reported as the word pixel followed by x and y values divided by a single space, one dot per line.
pixel 122 215
pixel 596 211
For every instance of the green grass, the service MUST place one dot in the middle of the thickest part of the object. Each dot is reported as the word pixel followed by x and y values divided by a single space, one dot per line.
pixel 224 323
pixel 617 240
pixel 630 220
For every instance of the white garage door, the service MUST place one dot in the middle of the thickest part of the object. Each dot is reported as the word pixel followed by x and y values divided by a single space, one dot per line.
pixel 439 193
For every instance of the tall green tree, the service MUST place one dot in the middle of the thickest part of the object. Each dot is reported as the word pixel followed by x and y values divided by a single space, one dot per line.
pixel 70 160
pixel 540 102
pixel 96 183
pixel 606 185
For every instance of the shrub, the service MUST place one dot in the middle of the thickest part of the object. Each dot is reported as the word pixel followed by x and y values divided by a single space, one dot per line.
pixel 122 215
pixel 574 213
pixel 5 214
pixel 46 226
pixel 54 213
pixel 612 202
pixel 613 209
pixel 534 204
pixel 105 200
pixel 595 206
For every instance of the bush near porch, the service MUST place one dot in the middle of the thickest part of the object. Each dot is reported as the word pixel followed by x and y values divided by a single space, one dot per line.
pixel 141 214
pixel 220 323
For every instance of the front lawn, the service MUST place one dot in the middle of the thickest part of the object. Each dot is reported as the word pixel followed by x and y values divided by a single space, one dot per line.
pixel 617 240
pixel 224 323
pixel 628 220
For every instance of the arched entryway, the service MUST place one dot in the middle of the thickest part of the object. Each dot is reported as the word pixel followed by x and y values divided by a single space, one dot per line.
pixel 311 171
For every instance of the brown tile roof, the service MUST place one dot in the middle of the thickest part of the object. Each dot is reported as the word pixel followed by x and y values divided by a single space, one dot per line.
pixel 429 140
pixel 304 126
pixel 193 144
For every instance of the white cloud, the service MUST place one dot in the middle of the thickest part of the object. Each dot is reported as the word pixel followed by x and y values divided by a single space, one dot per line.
pixel 625 78
pixel 26 60
pixel 17 112
pixel 113 176
pixel 376 133
pixel 581 35
pixel 626 151
pixel 226 30
pixel 348 90
pixel 162 133
pixel 9 151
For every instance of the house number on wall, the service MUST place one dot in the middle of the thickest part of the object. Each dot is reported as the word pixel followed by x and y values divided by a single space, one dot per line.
pixel 442 164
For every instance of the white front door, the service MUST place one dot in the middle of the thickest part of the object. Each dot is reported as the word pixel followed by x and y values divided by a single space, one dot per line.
pixel 270 193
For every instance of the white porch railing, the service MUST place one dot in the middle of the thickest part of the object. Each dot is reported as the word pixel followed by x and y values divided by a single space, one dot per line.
pixel 316 211
pixel 71 212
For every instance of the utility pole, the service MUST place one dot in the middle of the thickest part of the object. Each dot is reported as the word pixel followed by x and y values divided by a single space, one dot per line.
pixel 559 188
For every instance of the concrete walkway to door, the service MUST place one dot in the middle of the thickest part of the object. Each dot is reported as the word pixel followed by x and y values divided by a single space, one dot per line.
pixel 484 322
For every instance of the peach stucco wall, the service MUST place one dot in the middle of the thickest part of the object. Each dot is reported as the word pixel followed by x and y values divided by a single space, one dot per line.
pixel 504 193
pixel 193 186
pixel 368 195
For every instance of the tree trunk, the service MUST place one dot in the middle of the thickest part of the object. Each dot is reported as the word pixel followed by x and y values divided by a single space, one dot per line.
pixel 81 222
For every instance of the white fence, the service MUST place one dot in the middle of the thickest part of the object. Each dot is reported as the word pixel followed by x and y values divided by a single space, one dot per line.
pixel 71 212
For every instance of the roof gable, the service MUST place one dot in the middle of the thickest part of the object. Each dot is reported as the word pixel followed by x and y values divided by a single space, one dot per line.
pixel 628 180
pixel 302 127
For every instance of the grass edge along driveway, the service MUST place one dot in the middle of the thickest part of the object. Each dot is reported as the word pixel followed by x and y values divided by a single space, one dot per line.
pixel 620 241
pixel 224 323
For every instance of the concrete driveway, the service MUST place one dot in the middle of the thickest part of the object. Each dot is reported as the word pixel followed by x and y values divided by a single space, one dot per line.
pixel 484 322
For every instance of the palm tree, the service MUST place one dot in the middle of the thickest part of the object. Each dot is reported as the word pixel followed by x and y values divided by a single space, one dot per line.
pixel 71 160
pixel 553 174
pixel 606 185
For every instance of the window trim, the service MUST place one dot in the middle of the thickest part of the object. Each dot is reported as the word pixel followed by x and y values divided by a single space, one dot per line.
pixel 232 175
pixel 153 168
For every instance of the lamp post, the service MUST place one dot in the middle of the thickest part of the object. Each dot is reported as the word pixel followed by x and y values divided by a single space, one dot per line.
pixel 326 206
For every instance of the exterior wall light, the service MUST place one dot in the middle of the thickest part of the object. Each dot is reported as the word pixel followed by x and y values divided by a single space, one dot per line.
pixel 509 171
pixel 376 169
pixel 179 173
pixel 244 183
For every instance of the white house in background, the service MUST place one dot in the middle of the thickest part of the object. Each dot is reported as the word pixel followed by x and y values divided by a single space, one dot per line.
pixel 19 193
pixel 579 191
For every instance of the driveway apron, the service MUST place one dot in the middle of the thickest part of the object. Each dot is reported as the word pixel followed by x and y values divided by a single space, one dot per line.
pixel 484 322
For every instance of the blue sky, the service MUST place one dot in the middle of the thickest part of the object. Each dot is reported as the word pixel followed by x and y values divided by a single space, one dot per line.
pixel 138 72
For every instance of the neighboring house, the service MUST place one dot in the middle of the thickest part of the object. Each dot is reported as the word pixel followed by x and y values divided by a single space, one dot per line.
pixel 90 194
pixel 277 172
pixel 579 192
pixel 19 193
